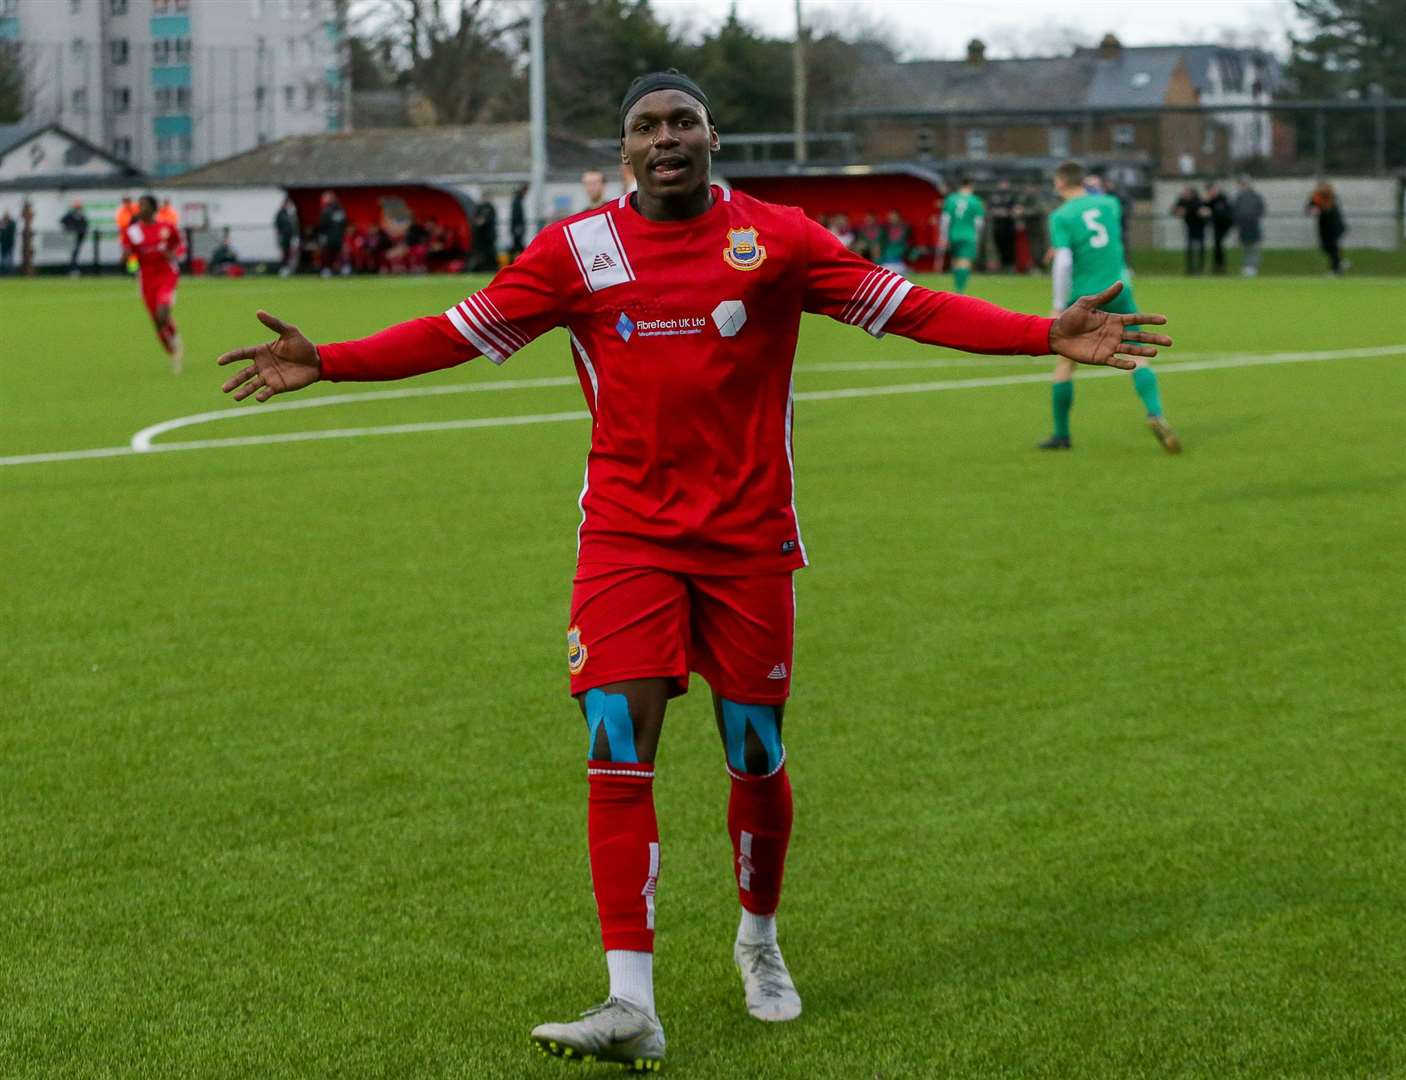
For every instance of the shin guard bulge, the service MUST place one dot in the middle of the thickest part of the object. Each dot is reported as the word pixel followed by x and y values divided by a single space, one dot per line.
pixel 624 841
pixel 759 822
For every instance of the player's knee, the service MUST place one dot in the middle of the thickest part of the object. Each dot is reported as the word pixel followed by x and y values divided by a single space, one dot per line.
pixel 752 738
pixel 609 726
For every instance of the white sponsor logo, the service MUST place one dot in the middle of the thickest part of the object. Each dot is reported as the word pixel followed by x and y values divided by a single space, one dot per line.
pixel 729 317
pixel 687 324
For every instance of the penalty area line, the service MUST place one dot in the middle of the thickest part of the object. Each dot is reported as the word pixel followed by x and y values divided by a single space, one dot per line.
pixel 142 443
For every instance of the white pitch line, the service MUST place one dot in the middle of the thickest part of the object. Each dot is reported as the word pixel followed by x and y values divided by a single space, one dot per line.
pixel 148 447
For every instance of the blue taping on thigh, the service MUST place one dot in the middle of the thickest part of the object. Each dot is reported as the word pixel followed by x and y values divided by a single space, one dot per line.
pixel 762 719
pixel 612 710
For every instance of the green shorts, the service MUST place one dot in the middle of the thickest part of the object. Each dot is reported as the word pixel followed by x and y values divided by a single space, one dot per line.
pixel 963 247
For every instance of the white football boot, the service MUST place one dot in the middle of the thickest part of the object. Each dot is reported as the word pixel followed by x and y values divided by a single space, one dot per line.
pixel 613 1031
pixel 771 995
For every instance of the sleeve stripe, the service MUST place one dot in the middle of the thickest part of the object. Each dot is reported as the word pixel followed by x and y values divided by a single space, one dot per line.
pixel 509 328
pixel 495 324
pixel 477 321
pixel 853 305
pixel 876 327
pixel 487 348
pixel 877 299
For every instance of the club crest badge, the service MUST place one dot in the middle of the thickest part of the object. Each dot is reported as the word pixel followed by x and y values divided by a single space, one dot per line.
pixel 575 651
pixel 742 251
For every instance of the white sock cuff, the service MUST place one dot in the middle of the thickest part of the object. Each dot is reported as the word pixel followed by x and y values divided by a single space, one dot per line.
pixel 632 977
pixel 757 929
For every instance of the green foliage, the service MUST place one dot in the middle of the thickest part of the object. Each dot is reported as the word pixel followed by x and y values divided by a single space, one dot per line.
pixel 1097 756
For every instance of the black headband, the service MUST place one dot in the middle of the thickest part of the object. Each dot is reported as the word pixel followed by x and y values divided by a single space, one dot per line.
pixel 662 80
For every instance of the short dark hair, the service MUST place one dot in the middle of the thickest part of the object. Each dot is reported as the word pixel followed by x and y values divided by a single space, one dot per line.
pixel 148 197
pixel 1070 173
pixel 964 181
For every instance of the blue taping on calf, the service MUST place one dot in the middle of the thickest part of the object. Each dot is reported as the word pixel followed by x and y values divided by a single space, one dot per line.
pixel 612 710
pixel 762 719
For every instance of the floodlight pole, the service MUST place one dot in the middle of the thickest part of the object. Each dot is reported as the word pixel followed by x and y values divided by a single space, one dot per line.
pixel 538 93
pixel 798 85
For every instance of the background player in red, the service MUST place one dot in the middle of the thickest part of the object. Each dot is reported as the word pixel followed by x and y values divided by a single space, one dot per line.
pixel 683 303
pixel 157 247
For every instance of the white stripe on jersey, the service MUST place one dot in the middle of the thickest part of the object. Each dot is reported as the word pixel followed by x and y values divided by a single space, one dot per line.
pixel 469 334
pixel 474 317
pixel 877 299
pixel 595 402
pixel 476 308
pixel 853 305
pixel 876 327
pixel 510 328
pixel 791 464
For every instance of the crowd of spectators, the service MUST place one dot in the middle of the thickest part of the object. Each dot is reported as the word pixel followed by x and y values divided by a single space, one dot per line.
pixel 398 244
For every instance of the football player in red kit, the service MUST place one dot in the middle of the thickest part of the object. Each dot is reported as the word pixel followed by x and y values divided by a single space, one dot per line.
pixel 682 302
pixel 158 249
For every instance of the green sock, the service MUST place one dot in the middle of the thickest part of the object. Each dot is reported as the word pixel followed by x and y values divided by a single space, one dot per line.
pixel 1145 383
pixel 1062 394
pixel 961 274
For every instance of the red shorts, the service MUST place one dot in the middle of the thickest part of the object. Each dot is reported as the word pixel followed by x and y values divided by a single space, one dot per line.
pixel 632 622
pixel 159 289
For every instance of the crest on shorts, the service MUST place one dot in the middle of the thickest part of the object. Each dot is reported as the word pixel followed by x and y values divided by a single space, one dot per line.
pixel 743 252
pixel 575 651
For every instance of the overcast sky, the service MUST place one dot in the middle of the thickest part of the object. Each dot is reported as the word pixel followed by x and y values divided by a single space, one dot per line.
pixel 940 29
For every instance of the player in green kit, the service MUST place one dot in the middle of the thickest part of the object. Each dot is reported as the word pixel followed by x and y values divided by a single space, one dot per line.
pixel 1086 239
pixel 962 215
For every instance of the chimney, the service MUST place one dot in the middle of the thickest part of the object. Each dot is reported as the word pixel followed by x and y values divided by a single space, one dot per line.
pixel 976 52
pixel 1110 47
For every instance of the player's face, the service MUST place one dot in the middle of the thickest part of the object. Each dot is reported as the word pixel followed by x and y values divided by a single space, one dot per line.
pixel 668 143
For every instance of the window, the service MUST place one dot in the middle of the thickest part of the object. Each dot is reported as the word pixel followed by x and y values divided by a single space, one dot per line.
pixel 183 50
pixel 1059 142
pixel 117 7
pixel 1208 140
pixel 171 99
pixel 310 96
pixel 290 96
pixel 1124 135
pixel 160 7
pixel 925 142
pixel 976 142
pixel 260 98
pixel 121 99
pixel 261 49
pixel 122 147
pixel 118 50
pixel 78 50
pixel 79 99
pixel 161 51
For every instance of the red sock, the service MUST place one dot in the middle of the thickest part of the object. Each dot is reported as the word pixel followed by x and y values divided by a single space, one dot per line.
pixel 759 822
pixel 624 842
pixel 167 333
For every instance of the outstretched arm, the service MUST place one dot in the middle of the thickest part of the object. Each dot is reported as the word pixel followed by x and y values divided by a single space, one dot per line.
pixel 525 300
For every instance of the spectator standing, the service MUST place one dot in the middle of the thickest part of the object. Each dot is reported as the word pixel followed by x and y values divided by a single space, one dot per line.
pixel 871 238
pixel 898 239
pixel 840 226
pixel 1248 209
pixel 1323 205
pixel 593 183
pixel 27 238
pixel 1193 213
pixel 224 260
pixel 167 215
pixel 7 243
pixel 483 258
pixel 1222 221
pixel 1003 216
pixel 1032 221
pixel 285 227
pixel 517 221
pixel 75 223
pixel 331 231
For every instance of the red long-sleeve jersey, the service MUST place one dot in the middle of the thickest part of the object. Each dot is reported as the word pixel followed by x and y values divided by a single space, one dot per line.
pixel 684 336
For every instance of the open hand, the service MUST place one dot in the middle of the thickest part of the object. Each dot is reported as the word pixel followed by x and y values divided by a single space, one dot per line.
pixel 1087 335
pixel 288 363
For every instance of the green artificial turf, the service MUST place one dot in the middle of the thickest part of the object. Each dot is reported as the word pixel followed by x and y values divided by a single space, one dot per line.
pixel 1098 756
